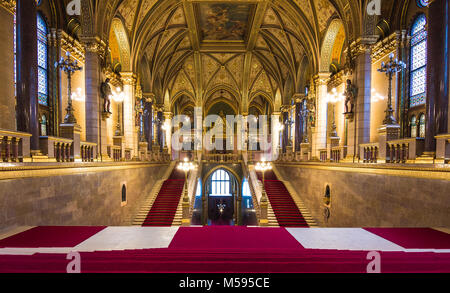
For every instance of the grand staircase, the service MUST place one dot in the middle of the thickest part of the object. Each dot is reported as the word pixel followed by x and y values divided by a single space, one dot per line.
pixel 283 210
pixel 162 208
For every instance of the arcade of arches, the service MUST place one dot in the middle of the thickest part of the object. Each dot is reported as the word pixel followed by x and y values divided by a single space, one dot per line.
pixel 349 145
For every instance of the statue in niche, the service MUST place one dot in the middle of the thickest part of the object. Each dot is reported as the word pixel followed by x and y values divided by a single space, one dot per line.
pixel 311 106
pixel 106 95
pixel 350 97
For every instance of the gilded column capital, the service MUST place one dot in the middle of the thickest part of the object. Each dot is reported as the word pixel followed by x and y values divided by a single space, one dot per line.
pixel 128 78
pixel 149 97
pixel 321 78
pixel 298 98
pixel 285 108
pixel 94 45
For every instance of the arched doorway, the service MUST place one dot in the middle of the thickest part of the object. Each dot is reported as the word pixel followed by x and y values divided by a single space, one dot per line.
pixel 221 192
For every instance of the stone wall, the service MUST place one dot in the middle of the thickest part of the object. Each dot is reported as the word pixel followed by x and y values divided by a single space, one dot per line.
pixel 365 199
pixel 88 196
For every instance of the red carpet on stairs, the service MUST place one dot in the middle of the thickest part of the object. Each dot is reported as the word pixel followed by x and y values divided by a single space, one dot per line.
pixel 283 205
pixel 165 206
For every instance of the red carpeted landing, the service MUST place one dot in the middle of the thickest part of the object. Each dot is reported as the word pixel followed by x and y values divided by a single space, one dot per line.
pixel 414 238
pixel 227 250
pixel 50 237
pixel 283 205
pixel 216 237
pixel 165 206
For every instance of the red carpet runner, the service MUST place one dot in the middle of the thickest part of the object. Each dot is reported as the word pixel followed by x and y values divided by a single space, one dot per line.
pixel 165 206
pixel 229 250
pixel 283 205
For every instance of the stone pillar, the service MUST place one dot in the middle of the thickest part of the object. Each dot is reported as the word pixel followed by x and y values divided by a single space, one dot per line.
pixel 437 75
pixel 7 101
pixel 359 128
pixel 148 122
pixel 95 125
pixel 27 83
pixel 298 121
pixel 285 117
pixel 320 135
pixel 275 135
pixel 167 133
pixel 129 129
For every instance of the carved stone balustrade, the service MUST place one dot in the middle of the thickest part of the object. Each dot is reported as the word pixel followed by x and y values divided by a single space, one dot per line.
pixel 402 151
pixel 14 146
pixel 57 149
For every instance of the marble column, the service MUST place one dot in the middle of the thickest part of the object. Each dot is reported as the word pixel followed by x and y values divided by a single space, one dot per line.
pixel 320 135
pixel 27 63
pixel 359 128
pixel 95 125
pixel 148 122
pixel 299 121
pixel 285 117
pixel 167 133
pixel 437 75
pixel 7 100
pixel 129 129
pixel 275 135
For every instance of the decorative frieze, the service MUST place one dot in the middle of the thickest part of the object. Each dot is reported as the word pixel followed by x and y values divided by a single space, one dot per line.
pixel 387 45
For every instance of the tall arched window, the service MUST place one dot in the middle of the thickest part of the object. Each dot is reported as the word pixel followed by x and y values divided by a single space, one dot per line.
pixel 220 183
pixel 198 192
pixel 42 61
pixel 422 125
pixel 246 189
pixel 413 126
pixel 418 77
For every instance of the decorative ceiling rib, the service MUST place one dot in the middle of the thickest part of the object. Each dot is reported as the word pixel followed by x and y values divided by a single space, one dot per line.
pixel 281 43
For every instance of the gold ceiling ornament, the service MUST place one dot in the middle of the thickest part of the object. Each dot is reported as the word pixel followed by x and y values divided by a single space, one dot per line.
pixel 9 5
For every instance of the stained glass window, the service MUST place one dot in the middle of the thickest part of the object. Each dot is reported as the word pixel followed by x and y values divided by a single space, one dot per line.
pixel 42 61
pixel 413 126
pixel 220 183
pixel 422 126
pixel 418 78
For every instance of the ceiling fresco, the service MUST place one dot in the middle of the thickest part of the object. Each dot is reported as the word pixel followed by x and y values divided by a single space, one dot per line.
pixel 224 21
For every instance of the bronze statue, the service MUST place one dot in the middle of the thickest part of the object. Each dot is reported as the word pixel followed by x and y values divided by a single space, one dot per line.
pixel 350 97
pixel 106 95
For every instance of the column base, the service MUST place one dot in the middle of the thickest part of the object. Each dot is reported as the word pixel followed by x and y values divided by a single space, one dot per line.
pixel 426 158
pixel 105 158
pixel 38 157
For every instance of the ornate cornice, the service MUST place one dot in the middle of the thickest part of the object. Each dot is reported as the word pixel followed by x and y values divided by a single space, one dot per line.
pixel 362 45
pixel 337 79
pixel 68 43
pixel 388 45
